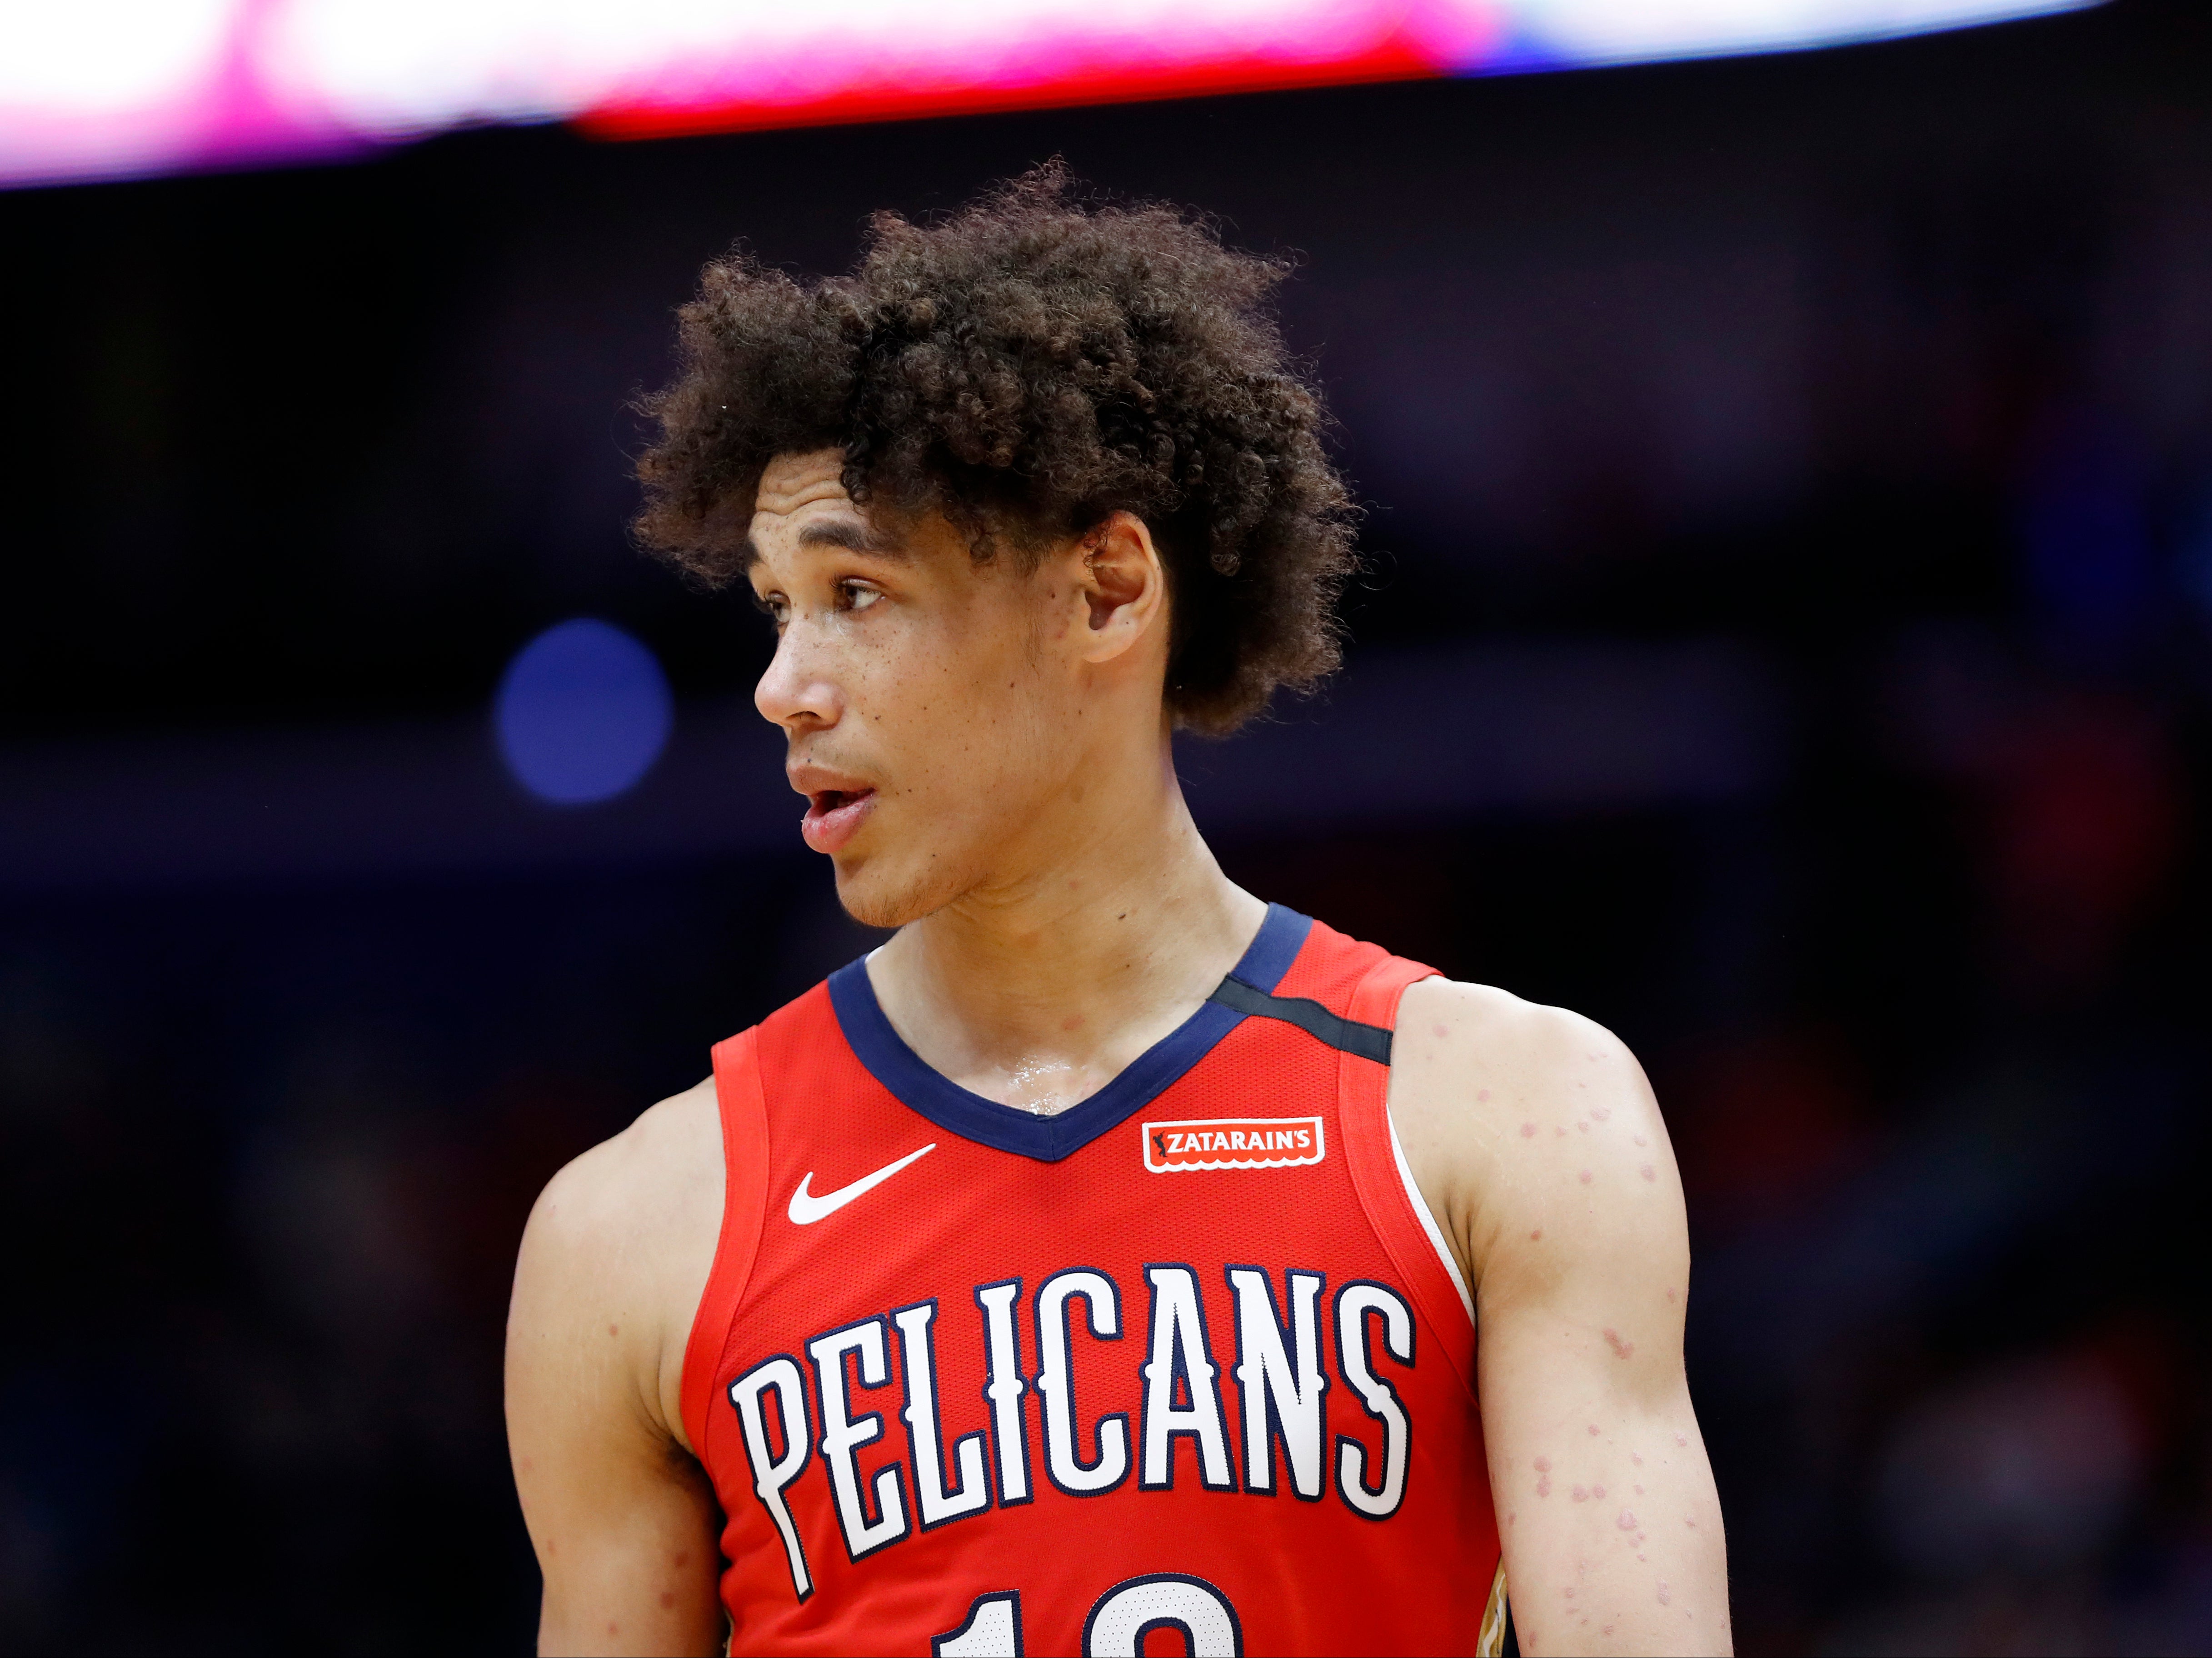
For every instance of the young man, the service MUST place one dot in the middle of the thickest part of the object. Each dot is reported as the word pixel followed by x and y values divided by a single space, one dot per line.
pixel 1109 1254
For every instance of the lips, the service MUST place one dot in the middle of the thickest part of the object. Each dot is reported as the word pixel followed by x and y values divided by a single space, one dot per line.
pixel 834 817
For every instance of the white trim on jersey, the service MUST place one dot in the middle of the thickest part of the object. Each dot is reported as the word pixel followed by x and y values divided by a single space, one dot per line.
pixel 1429 1223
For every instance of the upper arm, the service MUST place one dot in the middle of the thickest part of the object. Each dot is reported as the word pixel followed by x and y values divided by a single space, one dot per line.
pixel 623 1518
pixel 1540 1134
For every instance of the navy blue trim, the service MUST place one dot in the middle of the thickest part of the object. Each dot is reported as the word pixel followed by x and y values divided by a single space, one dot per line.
pixel 1369 1042
pixel 1004 1128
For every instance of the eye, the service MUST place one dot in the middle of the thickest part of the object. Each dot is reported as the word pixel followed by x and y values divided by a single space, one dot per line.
pixel 856 595
pixel 774 606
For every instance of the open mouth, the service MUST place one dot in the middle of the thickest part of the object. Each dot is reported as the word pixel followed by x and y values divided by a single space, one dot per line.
pixel 834 816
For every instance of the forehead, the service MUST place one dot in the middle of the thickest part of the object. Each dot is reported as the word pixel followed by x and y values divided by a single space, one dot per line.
pixel 790 484
pixel 801 502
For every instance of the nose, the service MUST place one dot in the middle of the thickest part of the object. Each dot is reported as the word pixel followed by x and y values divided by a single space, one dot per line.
pixel 797 691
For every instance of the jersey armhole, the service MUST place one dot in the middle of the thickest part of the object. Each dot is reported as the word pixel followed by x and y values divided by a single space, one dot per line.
pixel 743 1111
pixel 1384 1182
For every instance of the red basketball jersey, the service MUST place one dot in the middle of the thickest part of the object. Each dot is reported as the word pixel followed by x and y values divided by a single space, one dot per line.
pixel 1187 1358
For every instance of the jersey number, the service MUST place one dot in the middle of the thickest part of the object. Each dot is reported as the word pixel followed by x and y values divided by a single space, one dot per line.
pixel 1120 1620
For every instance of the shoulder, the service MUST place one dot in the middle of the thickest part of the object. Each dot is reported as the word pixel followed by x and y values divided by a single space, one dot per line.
pixel 623 1238
pixel 639 1181
pixel 1520 1117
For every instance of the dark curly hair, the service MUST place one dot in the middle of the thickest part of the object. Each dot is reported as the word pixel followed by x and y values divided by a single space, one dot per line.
pixel 1027 366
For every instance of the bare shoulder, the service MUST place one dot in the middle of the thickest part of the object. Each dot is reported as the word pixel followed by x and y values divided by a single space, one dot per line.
pixel 622 1239
pixel 642 1181
pixel 1517 1117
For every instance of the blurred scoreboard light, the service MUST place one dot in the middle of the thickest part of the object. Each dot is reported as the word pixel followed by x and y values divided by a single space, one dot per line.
pixel 104 89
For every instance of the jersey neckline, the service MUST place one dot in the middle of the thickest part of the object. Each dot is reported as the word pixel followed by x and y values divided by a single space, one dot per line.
pixel 1008 1128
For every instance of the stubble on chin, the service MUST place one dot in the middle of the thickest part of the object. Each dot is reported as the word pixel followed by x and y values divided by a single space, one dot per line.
pixel 878 899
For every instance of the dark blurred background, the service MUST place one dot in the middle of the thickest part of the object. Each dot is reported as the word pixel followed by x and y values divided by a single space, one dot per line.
pixel 1789 489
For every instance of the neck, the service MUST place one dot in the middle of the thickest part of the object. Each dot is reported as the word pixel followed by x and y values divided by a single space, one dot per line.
pixel 1039 989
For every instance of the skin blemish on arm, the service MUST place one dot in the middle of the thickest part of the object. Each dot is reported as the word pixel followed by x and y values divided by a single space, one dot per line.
pixel 614 1329
pixel 1442 1030
pixel 1639 1140
pixel 1646 1171
pixel 1678 1439
pixel 1583 1126
pixel 667 1598
pixel 1482 1094
pixel 1627 1520
pixel 1543 1487
pixel 1582 1494
pixel 1584 1177
pixel 1597 1491
pixel 1601 1112
pixel 1543 1465
pixel 1621 1349
pixel 1527 1131
pixel 1665 1594
pixel 1536 1235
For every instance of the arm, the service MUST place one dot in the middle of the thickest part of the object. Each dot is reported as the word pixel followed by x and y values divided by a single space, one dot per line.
pixel 613 1262
pixel 1536 1139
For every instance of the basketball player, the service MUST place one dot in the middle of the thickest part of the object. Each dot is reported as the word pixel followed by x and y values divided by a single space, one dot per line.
pixel 1111 1262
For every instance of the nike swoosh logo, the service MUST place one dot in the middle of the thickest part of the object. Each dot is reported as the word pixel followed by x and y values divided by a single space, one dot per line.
pixel 807 1208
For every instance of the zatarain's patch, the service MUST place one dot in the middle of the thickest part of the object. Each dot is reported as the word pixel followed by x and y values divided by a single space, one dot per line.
pixel 1233 1143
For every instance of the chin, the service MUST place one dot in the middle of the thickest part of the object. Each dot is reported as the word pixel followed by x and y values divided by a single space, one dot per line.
pixel 878 895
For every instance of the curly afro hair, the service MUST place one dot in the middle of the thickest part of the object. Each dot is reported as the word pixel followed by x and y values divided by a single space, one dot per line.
pixel 1027 366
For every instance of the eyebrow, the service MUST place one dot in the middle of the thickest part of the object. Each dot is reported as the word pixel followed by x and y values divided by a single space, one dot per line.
pixel 836 532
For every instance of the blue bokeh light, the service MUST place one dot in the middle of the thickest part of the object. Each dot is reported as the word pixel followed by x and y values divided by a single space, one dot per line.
pixel 583 711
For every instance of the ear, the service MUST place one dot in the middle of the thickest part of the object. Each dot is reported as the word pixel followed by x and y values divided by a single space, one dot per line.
pixel 1124 586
